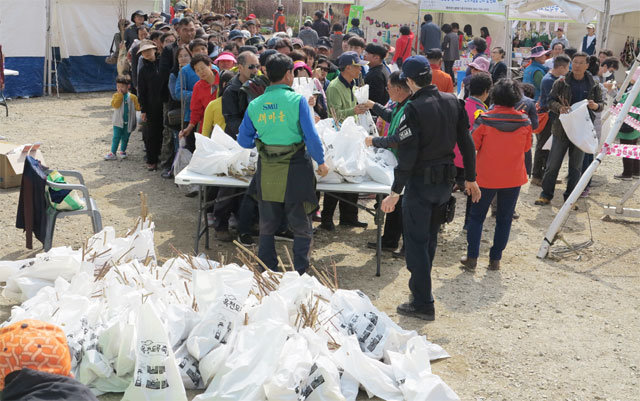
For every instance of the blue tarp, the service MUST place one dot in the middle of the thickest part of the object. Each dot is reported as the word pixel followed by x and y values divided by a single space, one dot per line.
pixel 30 80
pixel 86 74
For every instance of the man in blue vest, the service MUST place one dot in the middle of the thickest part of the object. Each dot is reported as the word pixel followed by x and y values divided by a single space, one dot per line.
pixel 280 125
pixel 534 73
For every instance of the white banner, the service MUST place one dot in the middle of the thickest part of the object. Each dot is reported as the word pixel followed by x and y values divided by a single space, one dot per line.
pixel 463 6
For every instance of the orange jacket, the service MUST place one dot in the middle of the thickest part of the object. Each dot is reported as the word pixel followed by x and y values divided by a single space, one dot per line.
pixel 441 79
pixel 502 136
pixel 403 47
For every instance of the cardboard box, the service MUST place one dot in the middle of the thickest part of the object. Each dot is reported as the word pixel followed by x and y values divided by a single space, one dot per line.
pixel 12 158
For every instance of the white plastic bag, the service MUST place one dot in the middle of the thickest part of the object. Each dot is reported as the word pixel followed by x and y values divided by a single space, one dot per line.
pixel 220 154
pixel 349 151
pixel 182 159
pixel 156 375
pixel 579 127
pixel 380 165
pixel 189 369
pixel 304 86
pixel 365 119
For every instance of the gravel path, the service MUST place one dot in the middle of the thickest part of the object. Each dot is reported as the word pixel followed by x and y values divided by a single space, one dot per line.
pixel 558 329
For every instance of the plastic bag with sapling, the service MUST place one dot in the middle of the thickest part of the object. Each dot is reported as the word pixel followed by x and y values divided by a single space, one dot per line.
pixel 349 151
pixel 293 368
pixel 365 119
pixel 221 294
pixel 182 158
pixel 189 369
pixel 413 374
pixel 304 86
pixel 156 375
pixel 220 154
pixel 322 383
pixel 380 165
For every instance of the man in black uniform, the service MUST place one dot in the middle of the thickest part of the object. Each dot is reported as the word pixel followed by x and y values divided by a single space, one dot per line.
pixel 433 123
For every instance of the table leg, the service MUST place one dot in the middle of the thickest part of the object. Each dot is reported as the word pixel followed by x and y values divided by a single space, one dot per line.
pixel 378 221
pixel 198 224
pixel 204 215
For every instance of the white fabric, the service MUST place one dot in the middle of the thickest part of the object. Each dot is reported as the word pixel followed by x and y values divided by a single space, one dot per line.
pixel 19 36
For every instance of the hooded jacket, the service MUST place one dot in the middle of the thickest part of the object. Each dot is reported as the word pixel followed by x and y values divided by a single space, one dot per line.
pixel 501 136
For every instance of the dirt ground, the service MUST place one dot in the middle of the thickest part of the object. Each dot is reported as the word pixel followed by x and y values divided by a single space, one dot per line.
pixel 564 328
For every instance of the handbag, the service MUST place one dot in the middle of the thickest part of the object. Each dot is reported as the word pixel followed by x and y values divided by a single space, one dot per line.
pixel 448 210
pixel 174 118
pixel 113 55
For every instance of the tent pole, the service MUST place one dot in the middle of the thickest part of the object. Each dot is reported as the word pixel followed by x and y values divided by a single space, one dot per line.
pixel 417 43
pixel 563 214
pixel 300 18
pixel 507 39
pixel 606 23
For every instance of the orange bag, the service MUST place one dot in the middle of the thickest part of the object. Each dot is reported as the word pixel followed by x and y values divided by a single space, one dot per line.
pixel 543 119
pixel 35 345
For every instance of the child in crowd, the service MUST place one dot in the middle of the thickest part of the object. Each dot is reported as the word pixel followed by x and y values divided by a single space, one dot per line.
pixel 124 105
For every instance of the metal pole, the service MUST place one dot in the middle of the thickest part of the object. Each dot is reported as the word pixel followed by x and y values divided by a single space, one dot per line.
pixel 508 43
pixel 563 214
pixel 300 18
pixel 606 23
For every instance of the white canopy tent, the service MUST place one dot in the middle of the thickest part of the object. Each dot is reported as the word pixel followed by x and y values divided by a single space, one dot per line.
pixel 80 30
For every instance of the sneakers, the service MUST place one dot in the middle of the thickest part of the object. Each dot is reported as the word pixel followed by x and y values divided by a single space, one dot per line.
pixel 357 224
pixel 398 253
pixel 327 226
pixel 585 193
pixel 246 239
pixel 122 155
pixel 110 156
pixel 284 236
pixel 536 181
pixel 317 217
pixel 542 201
pixel 409 309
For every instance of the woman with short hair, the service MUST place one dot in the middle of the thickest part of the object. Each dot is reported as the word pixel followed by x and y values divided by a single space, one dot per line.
pixel 502 136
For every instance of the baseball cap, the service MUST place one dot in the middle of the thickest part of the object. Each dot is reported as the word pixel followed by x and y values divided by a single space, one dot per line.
pixel 324 42
pixel 250 17
pixel 481 64
pixel 591 26
pixel 350 58
pixel 560 29
pixel 297 41
pixel 254 41
pixel 35 345
pixel 235 34
pixel 414 67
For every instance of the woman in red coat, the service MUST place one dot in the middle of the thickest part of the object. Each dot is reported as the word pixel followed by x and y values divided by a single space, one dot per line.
pixel 403 45
pixel 502 136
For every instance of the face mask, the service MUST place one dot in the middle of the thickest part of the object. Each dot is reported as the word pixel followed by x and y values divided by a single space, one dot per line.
pixel 607 74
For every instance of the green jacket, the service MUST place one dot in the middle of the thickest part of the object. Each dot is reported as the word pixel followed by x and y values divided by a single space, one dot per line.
pixel 341 100
pixel 635 134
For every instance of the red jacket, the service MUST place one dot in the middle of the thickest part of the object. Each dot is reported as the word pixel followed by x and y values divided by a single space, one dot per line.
pixel 502 136
pixel 403 47
pixel 202 94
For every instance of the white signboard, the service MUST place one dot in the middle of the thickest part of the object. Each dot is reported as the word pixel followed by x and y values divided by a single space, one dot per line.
pixel 463 6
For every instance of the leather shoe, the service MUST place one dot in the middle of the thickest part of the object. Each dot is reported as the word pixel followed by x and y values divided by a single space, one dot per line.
pixel 468 263
pixel 409 309
pixel 398 253
pixel 223 236
pixel 494 265
pixel 374 245
pixel 327 226
pixel 358 224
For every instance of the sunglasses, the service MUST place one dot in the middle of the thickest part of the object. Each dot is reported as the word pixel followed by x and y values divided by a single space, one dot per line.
pixel 325 69
pixel 253 66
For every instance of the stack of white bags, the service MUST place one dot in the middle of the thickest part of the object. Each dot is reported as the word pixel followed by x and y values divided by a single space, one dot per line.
pixel 152 331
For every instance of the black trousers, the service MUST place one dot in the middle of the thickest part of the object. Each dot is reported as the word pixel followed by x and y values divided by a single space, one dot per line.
pixel 448 68
pixel 348 212
pixel 271 216
pixel 630 167
pixel 421 219
pixel 222 210
pixel 540 156
pixel 153 133
pixel 393 227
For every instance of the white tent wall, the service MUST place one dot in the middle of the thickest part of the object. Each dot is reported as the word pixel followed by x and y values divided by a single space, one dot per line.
pixel 23 45
pixel 621 27
pixel 83 31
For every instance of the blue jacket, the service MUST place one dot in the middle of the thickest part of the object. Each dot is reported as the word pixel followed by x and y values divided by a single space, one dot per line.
pixel 530 72
pixel 430 36
pixel 189 78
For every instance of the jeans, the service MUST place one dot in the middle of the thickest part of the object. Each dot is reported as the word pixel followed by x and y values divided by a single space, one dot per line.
pixel 507 198
pixel 560 146
pixel 421 220
pixel 271 216
pixel 120 137
pixel 540 156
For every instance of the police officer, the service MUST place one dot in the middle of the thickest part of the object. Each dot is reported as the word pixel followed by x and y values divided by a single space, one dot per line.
pixel 433 123
pixel 280 125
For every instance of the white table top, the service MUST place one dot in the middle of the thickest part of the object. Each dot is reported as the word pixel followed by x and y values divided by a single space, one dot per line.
pixel 8 73
pixel 186 177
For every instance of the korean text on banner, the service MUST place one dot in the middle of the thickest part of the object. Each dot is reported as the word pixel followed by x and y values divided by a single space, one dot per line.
pixel 463 6
pixel 355 12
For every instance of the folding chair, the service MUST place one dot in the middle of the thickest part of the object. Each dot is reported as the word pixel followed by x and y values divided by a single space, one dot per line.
pixel 53 214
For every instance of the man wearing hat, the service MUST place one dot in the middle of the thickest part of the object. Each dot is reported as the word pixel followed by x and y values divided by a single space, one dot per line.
pixel 342 103
pixel 138 18
pixel 279 20
pixel 237 36
pixel 323 47
pixel 560 38
pixel 378 74
pixel 434 123
pixel 534 73
pixel 252 27
pixel 308 36
pixel 589 40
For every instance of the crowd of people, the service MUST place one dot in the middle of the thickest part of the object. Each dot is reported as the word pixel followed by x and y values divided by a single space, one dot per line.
pixel 198 71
